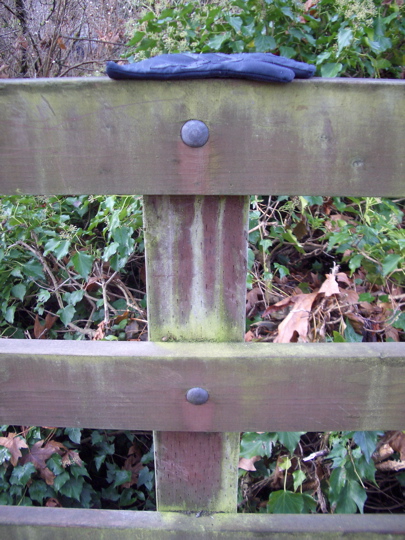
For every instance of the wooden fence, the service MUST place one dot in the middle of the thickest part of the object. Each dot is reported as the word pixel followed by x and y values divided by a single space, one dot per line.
pixel 96 136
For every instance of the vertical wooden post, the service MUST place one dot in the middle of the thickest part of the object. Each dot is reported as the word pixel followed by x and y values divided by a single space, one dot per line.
pixel 196 250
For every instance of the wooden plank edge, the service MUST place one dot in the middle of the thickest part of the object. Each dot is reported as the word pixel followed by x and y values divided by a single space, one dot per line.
pixel 63 523
pixel 252 387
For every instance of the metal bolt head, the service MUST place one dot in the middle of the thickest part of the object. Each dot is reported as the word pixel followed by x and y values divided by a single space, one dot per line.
pixel 195 133
pixel 197 396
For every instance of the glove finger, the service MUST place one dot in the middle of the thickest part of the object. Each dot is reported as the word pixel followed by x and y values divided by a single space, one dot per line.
pixel 202 66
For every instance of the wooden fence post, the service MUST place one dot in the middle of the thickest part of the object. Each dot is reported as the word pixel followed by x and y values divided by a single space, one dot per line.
pixel 196 251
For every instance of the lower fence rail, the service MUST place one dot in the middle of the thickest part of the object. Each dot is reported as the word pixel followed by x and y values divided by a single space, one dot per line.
pixel 66 523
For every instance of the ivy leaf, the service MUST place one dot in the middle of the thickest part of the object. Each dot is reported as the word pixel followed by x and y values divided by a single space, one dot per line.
pixel 73 488
pixel 66 314
pixel 367 441
pixel 257 444
pixel 345 37
pixel 82 263
pixel 390 263
pixel 18 291
pixel 331 69
pixel 285 502
pixel 265 43
pixel 290 439
pixel 21 474
pixel 217 41
pixel 74 434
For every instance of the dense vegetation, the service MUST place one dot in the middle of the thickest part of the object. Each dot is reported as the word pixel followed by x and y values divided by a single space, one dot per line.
pixel 73 268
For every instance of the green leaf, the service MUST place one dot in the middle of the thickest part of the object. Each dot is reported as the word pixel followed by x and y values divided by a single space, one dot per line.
pixel 366 297
pixel 400 322
pixel 145 478
pixel 66 314
pixel 82 263
pixel 390 263
pixel 285 502
pixel 235 22
pixel 216 42
pixel 21 474
pixel 290 439
pixel 351 335
pixel 121 477
pixel 264 43
pixel 61 480
pixel 73 488
pixel 355 262
pixel 367 441
pixel 299 478
pixel 9 314
pixel 59 248
pixel 38 491
pixel 110 251
pixel 74 434
pixel 331 70
pixel 4 455
pixel 19 291
pixel 136 38
pixel 345 37
pixel 257 444
pixel 33 268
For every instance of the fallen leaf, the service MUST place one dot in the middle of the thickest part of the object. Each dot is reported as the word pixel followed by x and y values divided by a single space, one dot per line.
pixel 297 320
pixel 40 330
pixel 13 444
pixel 397 443
pixel 53 503
pixel 247 464
pixel 329 286
pixel 38 455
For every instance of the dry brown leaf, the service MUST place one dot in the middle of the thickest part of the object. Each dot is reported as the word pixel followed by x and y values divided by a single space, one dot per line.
pixel 397 443
pixel 70 457
pixel 40 330
pixel 247 464
pixel 351 297
pixel 297 320
pixel 13 443
pixel 392 333
pixel 53 503
pixel 390 466
pixel 253 297
pixel 343 278
pixel 249 336
pixel 329 286
pixel 38 455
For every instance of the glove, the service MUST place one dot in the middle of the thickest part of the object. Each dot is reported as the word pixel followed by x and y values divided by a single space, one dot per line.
pixel 252 66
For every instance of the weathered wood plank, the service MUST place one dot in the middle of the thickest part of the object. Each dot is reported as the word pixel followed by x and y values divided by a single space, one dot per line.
pixel 252 386
pixel 196 259
pixel 24 523
pixel 315 137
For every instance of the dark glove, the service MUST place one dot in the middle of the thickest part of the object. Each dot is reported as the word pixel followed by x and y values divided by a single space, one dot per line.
pixel 253 66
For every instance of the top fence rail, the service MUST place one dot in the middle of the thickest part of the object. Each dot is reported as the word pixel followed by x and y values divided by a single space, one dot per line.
pixel 97 136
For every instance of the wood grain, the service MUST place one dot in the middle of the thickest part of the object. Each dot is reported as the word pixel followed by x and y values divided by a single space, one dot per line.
pixel 24 523
pixel 196 263
pixel 94 135
pixel 252 386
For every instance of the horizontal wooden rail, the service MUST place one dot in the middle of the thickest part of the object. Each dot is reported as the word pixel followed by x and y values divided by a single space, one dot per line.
pixel 94 135
pixel 67 524
pixel 252 386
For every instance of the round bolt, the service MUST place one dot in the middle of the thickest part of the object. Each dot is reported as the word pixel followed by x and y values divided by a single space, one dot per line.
pixel 197 396
pixel 195 133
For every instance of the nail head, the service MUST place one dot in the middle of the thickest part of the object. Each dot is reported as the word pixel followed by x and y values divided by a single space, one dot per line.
pixel 195 133
pixel 197 396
